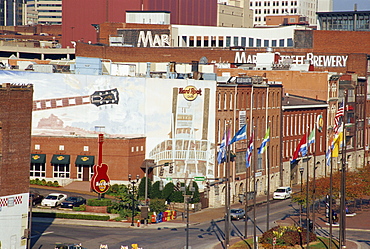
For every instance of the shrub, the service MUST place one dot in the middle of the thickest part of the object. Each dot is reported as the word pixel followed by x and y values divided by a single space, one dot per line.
pixel 71 216
pixel 99 202
pixel 287 236
pixel 80 208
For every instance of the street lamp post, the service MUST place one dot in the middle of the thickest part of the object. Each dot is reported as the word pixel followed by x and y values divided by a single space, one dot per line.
pixel 133 182
pixel 300 205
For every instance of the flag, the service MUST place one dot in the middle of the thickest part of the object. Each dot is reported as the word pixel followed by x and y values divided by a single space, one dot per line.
pixel 248 155
pixel 264 142
pixel 240 135
pixel 221 156
pixel 337 142
pixel 311 137
pixel 301 148
pixel 328 156
pixel 338 118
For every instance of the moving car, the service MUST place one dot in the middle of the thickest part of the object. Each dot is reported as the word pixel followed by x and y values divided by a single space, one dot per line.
pixel 73 201
pixel 36 198
pixel 53 200
pixel 282 193
pixel 237 213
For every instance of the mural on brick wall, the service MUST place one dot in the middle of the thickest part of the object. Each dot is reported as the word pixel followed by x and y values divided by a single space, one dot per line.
pixel 176 116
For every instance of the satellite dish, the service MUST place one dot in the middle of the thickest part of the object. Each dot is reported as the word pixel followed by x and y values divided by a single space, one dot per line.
pixel 203 60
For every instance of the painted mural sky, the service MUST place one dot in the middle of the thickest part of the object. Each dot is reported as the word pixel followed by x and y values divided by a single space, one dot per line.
pixel 144 107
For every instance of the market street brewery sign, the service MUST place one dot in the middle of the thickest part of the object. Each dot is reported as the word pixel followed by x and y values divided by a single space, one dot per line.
pixel 315 60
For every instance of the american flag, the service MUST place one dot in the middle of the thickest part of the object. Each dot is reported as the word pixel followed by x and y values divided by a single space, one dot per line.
pixel 338 118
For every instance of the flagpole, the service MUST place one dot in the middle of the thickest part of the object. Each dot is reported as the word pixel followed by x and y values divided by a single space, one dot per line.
pixel 254 188
pixel 246 199
pixel 342 235
pixel 314 180
pixel 307 192
pixel 227 194
pixel 331 200
pixel 267 166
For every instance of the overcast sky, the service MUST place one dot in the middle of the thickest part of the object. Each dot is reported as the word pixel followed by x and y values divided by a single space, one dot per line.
pixel 348 5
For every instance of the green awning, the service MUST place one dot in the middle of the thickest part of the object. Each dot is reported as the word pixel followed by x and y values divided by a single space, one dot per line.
pixel 60 159
pixel 38 158
pixel 84 160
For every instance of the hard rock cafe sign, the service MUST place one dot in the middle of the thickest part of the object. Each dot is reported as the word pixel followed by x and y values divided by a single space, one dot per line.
pixel 100 181
pixel 190 92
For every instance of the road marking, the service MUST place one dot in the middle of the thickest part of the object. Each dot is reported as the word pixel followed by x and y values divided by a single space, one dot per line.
pixel 46 233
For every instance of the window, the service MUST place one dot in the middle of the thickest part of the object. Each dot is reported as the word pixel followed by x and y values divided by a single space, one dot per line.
pixel 228 40
pixel 258 43
pixel 61 170
pixel 251 42
pixel 61 147
pixel 132 149
pixel 225 102
pixel 231 101
pixel 273 43
pixel 266 43
pixel 290 42
pixel 281 43
pixel 37 147
pixel 259 162
pixel 236 41
pixel 244 42
pixel 86 148
pixel 37 170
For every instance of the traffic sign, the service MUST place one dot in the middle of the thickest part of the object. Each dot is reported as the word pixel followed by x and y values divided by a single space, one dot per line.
pixel 169 179
pixel 199 178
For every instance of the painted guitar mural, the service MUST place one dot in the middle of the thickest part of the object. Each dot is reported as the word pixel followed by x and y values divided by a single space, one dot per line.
pixel 98 98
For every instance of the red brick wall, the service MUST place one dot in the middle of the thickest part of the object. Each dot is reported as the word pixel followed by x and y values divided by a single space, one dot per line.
pixel 356 61
pixel 15 133
pixel 117 153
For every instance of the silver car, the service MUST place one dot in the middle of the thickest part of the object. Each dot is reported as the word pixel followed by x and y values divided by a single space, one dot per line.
pixel 237 213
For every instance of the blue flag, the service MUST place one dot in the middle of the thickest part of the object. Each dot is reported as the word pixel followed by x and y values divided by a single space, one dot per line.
pixel 240 135
pixel 264 142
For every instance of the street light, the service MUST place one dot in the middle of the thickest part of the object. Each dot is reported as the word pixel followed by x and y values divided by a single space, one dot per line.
pixel 300 206
pixel 133 182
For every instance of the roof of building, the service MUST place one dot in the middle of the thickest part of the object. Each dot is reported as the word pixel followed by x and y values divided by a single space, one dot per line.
pixel 290 101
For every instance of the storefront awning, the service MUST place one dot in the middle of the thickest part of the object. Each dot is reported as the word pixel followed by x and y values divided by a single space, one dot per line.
pixel 84 160
pixel 38 158
pixel 60 159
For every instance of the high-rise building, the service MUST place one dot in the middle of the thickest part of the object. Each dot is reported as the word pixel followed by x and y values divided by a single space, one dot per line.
pixel 12 12
pixel 306 8
pixel 44 12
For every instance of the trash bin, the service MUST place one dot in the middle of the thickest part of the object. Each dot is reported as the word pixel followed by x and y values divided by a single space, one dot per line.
pixel 154 218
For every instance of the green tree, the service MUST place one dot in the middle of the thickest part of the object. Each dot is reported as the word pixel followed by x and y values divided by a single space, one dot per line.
pixel 156 193
pixel 177 197
pixel 157 205
pixel 168 191
pixel 141 190
pixel 195 193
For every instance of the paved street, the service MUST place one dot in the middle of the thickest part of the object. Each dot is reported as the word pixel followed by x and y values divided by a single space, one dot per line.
pixel 203 233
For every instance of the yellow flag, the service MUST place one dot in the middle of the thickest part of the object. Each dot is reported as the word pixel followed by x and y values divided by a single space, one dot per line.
pixel 337 142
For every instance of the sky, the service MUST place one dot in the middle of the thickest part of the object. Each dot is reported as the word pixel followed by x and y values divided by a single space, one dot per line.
pixel 348 5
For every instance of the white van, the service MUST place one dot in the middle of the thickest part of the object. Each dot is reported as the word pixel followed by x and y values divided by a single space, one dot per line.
pixel 282 193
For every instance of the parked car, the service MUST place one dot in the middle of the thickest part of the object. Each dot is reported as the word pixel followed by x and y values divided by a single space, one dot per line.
pixel 237 213
pixel 282 193
pixel 36 198
pixel 53 200
pixel 73 201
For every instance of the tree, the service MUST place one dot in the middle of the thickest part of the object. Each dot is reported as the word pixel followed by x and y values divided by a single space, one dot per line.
pixel 168 191
pixel 156 193
pixel 141 190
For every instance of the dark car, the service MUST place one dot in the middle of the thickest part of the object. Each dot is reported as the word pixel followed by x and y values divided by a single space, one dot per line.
pixel 36 198
pixel 73 201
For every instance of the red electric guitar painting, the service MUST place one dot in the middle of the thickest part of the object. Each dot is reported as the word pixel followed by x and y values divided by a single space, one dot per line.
pixel 98 98
pixel 100 181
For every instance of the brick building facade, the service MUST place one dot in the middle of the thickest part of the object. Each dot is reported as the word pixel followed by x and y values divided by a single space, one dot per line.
pixel 15 140
pixel 123 156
